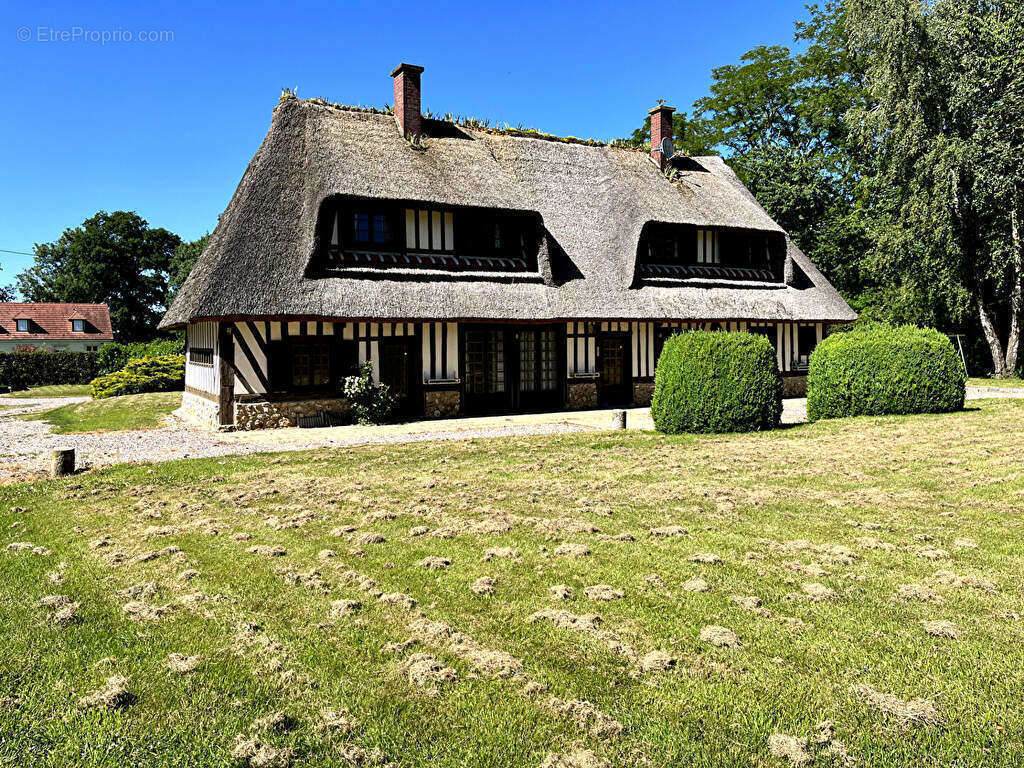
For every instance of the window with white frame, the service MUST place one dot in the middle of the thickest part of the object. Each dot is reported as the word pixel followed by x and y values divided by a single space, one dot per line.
pixel 23 326
pixel 78 326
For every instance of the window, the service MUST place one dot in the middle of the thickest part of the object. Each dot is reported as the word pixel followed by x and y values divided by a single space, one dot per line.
pixel 806 341
pixel 78 326
pixel 429 230
pixel 311 365
pixel 361 227
pixel 314 363
pixel 200 356
pixel 23 326
pixel 92 347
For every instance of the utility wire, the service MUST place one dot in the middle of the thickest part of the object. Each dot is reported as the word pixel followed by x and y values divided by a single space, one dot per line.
pixel 20 253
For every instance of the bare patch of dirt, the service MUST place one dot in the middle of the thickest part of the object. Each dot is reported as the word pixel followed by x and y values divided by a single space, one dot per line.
pixel 965 543
pixel 720 637
pixel 434 563
pixel 657 661
pixel 268 550
pixel 137 610
pixel 336 721
pixel 398 598
pixel 370 537
pixel 583 758
pixel 912 712
pixel 942 628
pixel 182 664
pixel 507 553
pixel 603 592
pixel 870 542
pixel 425 671
pixel 572 550
pixel 792 749
pixel 483 586
pixel 113 695
pixel 669 531
pixel 258 754
pixel 708 558
pixel 586 716
pixel 813 570
pixel 567 619
pixel 751 604
pixel 909 592
pixel 959 581
pixel 931 553
pixel 560 591
pixel 817 593
pixel 696 584
pixel 345 607
pixel 419 530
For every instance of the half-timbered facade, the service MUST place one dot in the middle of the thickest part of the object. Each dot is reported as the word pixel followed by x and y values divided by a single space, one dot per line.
pixel 478 271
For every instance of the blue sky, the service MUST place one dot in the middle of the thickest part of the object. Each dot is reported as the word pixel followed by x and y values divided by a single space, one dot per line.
pixel 167 127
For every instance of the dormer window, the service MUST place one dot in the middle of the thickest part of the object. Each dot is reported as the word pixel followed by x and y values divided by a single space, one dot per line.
pixel 23 325
pixel 672 252
pixel 78 326
pixel 381 234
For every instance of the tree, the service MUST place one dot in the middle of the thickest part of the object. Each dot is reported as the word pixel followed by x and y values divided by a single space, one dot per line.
pixel 945 117
pixel 184 258
pixel 7 293
pixel 112 258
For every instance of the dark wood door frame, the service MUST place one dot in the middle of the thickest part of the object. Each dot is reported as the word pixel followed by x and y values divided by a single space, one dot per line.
pixel 609 393
pixel 412 404
pixel 226 356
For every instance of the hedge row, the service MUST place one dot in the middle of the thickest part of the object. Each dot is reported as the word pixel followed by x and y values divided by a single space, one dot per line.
pixel 114 357
pixel 882 370
pixel 712 381
pixel 144 374
pixel 21 370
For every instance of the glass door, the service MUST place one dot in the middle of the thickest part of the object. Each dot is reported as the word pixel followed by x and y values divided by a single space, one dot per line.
pixel 616 382
pixel 485 370
pixel 540 366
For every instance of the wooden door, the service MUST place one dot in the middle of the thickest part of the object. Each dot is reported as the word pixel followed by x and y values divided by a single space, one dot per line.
pixel 616 382
pixel 541 354
pixel 485 367
pixel 226 354
pixel 399 369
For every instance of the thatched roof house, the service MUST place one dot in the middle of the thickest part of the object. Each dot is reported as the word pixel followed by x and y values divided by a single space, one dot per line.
pixel 365 218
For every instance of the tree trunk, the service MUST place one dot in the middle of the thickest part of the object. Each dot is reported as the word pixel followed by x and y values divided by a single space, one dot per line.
pixel 1016 305
pixel 995 347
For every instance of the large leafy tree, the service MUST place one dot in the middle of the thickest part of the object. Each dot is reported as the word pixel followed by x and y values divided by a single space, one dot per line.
pixel 115 258
pixel 945 118
pixel 185 257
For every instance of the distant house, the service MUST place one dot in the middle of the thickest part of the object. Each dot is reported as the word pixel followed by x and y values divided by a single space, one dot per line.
pixel 72 327
pixel 478 270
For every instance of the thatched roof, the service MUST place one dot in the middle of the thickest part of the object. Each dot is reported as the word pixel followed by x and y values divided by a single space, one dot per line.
pixel 593 202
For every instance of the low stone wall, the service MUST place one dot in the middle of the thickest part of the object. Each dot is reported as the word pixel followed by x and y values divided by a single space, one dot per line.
pixel 441 403
pixel 197 409
pixel 270 414
pixel 794 386
pixel 643 391
pixel 582 394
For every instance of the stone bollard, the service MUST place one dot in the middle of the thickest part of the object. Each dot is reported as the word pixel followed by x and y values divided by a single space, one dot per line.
pixel 618 419
pixel 62 462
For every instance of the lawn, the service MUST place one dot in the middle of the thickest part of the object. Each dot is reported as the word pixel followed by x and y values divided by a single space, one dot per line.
pixel 53 390
pixel 447 604
pixel 1011 382
pixel 145 411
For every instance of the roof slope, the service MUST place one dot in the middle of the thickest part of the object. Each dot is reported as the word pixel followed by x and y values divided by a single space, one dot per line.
pixel 52 322
pixel 593 200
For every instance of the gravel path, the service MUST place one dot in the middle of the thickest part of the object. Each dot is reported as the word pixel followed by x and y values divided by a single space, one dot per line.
pixel 25 445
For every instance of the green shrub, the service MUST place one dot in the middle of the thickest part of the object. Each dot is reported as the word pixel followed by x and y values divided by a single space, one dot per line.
pixel 882 369
pixel 144 374
pixel 371 403
pixel 26 368
pixel 712 381
pixel 114 357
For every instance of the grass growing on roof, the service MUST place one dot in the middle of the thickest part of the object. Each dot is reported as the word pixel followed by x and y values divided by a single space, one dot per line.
pixel 863 572
pixel 113 414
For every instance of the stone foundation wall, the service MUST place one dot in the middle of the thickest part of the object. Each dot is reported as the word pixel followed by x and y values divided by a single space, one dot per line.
pixel 794 386
pixel 441 403
pixel 267 414
pixel 582 394
pixel 197 409
pixel 643 391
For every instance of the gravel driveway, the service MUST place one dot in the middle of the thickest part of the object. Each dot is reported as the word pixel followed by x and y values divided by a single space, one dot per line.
pixel 25 445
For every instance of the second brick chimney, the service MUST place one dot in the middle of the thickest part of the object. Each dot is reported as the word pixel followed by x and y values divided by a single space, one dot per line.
pixel 661 129
pixel 407 99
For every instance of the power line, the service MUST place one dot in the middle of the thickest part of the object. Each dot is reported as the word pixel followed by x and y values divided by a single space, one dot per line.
pixel 20 253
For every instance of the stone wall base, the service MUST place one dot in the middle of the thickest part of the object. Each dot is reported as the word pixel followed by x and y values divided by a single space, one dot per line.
pixel 794 386
pixel 581 394
pixel 269 414
pixel 442 403
pixel 643 391
pixel 197 409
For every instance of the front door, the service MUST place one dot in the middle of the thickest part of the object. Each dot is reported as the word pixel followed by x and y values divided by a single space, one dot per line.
pixel 485 365
pixel 399 369
pixel 226 351
pixel 538 386
pixel 616 383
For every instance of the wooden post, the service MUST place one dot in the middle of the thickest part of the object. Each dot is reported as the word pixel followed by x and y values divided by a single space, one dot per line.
pixel 62 462
pixel 618 419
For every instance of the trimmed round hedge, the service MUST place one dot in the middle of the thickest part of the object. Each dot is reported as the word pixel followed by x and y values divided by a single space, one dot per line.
pixel 713 381
pixel 884 370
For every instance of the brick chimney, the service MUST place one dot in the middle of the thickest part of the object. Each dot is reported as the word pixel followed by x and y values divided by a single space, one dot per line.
pixel 661 129
pixel 407 99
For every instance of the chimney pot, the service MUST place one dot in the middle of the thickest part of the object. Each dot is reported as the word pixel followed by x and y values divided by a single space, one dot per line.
pixel 407 99
pixel 661 129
